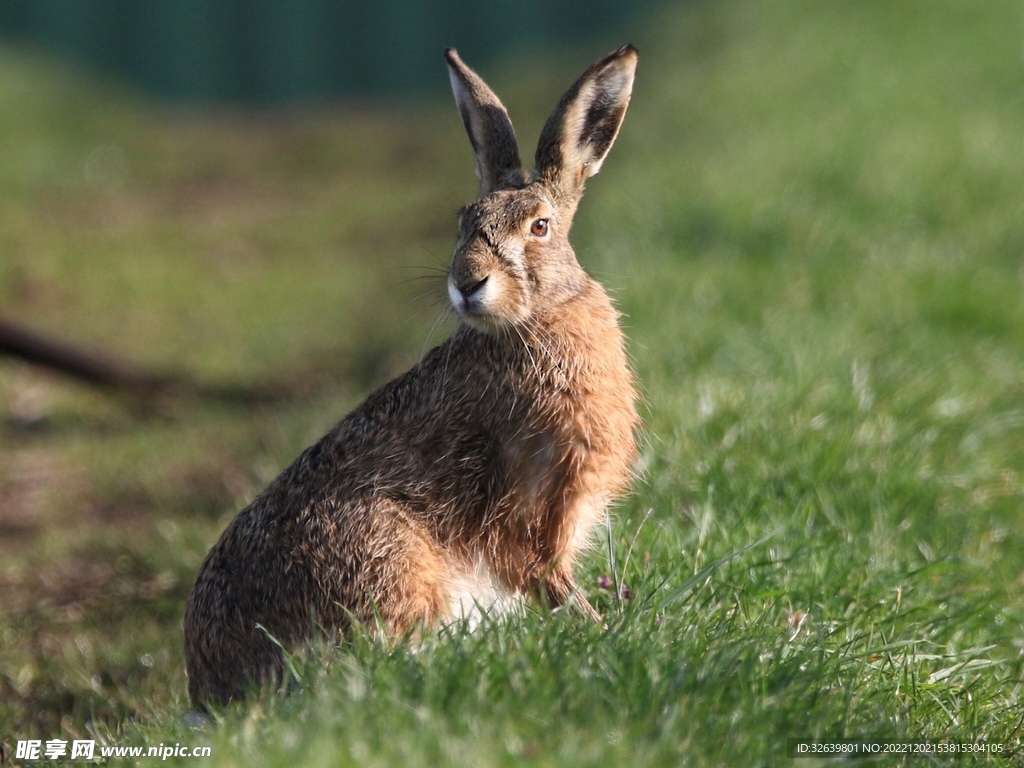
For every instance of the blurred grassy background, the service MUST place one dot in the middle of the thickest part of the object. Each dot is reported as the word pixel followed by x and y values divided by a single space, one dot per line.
pixel 267 52
pixel 814 222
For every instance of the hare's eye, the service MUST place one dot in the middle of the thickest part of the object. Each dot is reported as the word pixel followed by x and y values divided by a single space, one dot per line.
pixel 539 228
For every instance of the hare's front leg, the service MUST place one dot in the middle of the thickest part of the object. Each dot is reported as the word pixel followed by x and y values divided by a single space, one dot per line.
pixel 558 587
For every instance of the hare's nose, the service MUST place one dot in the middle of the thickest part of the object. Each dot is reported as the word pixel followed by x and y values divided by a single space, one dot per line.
pixel 463 297
pixel 472 290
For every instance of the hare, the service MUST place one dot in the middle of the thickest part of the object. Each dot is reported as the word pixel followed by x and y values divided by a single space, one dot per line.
pixel 477 477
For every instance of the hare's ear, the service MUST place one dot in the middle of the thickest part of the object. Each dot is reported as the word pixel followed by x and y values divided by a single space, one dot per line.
pixel 490 131
pixel 584 125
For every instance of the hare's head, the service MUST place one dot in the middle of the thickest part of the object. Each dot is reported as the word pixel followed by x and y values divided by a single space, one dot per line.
pixel 513 257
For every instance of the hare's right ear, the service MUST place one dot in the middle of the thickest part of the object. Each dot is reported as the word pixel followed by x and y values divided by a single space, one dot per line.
pixel 490 131
pixel 578 135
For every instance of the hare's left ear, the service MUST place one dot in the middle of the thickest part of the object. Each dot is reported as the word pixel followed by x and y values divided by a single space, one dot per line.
pixel 578 135
pixel 490 131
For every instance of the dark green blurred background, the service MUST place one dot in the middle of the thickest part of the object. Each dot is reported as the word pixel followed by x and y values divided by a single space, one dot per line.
pixel 269 51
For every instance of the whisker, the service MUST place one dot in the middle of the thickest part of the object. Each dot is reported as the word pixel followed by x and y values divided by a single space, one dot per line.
pixel 437 300
pixel 397 267
pixel 447 359
pixel 526 348
pixel 441 317
pixel 432 278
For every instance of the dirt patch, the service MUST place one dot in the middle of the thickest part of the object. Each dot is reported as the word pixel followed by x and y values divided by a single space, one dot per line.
pixel 34 482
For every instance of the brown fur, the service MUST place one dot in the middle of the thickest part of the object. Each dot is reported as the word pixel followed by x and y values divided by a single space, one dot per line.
pixel 500 450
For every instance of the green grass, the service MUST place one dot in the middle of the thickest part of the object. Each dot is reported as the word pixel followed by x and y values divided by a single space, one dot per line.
pixel 814 222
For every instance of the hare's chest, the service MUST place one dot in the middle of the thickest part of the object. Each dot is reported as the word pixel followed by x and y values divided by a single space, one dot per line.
pixel 530 461
pixel 476 591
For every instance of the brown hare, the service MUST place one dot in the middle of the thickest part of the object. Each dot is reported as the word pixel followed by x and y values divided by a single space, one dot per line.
pixel 476 477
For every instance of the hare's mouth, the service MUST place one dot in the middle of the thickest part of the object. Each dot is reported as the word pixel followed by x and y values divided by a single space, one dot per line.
pixel 481 302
